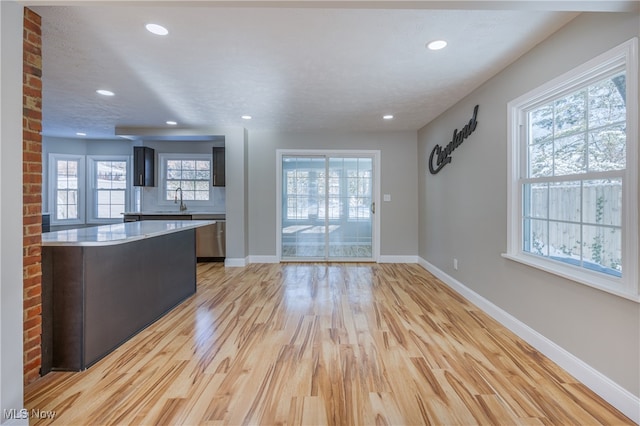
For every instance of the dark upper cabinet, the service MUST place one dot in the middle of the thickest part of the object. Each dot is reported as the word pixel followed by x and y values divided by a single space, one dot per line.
pixel 143 166
pixel 218 166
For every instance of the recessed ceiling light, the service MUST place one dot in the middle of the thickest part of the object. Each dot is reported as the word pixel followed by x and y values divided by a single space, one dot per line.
pixel 81 134
pixel 387 117
pixel 104 92
pixel 157 29
pixel 172 123
pixel 437 44
pixel 246 117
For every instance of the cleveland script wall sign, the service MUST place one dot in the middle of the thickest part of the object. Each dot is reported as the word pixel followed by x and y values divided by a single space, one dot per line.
pixel 442 156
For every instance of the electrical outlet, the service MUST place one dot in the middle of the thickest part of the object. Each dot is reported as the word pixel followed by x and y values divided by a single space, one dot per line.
pixel 455 264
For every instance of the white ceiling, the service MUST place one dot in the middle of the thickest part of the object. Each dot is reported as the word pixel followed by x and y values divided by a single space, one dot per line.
pixel 290 65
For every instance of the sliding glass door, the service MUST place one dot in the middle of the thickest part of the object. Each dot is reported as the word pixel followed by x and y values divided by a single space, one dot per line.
pixel 327 207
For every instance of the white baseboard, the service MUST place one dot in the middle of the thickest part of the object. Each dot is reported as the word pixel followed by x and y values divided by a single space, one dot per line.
pixel 235 262
pixel 610 391
pixel 264 259
pixel 397 259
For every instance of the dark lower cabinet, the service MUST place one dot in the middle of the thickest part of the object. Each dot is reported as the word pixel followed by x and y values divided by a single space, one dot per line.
pixel 144 160
pixel 97 297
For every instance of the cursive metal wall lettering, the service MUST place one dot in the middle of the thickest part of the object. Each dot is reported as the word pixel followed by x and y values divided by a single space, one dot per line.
pixel 442 156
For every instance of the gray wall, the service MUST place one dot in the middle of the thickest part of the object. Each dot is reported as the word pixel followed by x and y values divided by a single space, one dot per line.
pixel 236 202
pixel 11 389
pixel 463 210
pixel 398 218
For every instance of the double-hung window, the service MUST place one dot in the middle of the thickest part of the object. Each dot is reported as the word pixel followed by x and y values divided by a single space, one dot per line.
pixel 573 178
pixel 103 195
pixel 109 183
pixel 186 175
pixel 66 188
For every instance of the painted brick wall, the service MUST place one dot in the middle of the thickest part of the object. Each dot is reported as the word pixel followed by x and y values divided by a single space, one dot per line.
pixel 32 194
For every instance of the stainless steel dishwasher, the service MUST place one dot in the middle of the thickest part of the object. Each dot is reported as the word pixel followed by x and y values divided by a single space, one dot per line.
pixel 210 240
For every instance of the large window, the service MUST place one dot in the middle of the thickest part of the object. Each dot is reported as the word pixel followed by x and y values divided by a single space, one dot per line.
pixel 109 188
pixel 66 189
pixel 574 168
pixel 189 174
pixel 103 194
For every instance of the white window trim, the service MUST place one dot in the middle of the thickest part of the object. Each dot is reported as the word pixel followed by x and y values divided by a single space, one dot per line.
pixel 53 179
pixel 162 159
pixel 91 193
pixel 627 286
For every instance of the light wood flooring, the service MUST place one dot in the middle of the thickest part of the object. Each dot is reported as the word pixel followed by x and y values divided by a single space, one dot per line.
pixel 351 344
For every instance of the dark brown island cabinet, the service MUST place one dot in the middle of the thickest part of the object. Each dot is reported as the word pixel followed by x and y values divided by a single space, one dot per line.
pixel 102 285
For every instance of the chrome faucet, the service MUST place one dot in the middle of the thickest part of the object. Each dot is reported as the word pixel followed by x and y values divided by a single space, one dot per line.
pixel 183 206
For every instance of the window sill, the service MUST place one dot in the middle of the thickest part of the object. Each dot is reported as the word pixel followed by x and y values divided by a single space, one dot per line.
pixel 573 274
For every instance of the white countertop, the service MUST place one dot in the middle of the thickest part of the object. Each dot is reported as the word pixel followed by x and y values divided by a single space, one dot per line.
pixel 194 214
pixel 119 233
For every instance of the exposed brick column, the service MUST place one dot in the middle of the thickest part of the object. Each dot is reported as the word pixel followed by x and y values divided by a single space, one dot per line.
pixel 32 194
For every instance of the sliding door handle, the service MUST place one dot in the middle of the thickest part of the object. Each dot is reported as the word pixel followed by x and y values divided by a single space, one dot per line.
pixel 373 207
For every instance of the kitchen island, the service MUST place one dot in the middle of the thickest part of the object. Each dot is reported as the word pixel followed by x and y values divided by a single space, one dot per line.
pixel 101 285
